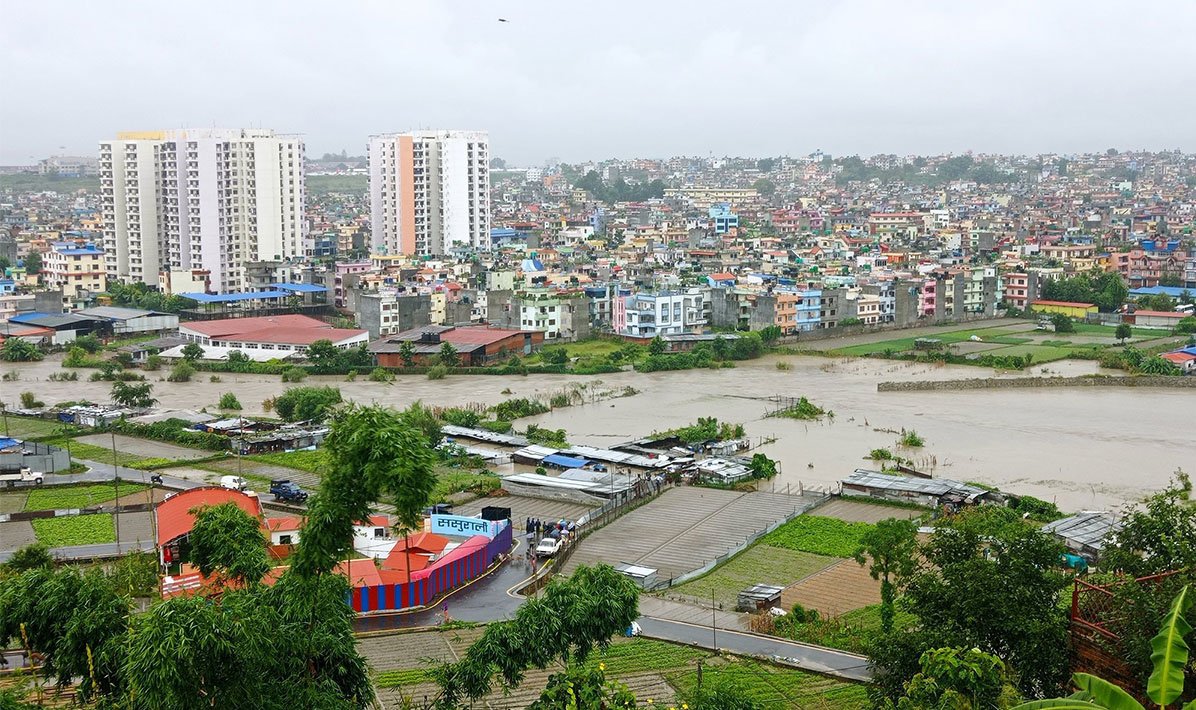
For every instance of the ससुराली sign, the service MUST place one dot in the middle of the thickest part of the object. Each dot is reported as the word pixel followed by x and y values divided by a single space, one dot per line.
pixel 459 526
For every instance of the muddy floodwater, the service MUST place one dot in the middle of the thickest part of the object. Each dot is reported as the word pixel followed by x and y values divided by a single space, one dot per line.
pixel 1084 447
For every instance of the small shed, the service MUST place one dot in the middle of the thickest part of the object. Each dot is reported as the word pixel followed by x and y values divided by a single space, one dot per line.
pixel 644 577
pixel 1084 533
pixel 759 597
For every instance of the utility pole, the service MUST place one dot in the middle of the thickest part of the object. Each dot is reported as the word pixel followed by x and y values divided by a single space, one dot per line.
pixel 116 485
pixel 713 620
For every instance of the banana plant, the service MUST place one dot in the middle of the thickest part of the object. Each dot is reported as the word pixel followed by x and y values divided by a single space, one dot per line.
pixel 1169 653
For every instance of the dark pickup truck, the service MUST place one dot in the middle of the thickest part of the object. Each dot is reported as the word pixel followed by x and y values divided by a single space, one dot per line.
pixel 287 492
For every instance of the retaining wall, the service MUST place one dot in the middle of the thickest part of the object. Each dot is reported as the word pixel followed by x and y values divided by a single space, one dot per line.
pixel 980 383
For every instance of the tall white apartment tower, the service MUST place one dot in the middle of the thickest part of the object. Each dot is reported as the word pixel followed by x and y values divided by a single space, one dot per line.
pixel 210 199
pixel 429 191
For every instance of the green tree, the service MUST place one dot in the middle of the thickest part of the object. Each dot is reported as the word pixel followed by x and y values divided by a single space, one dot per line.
pixel 582 688
pixel 1186 325
pixel 192 351
pixel 1156 365
pixel 17 350
pixel 375 454
pixel 762 466
pixel 891 546
pixel 89 342
pixel 957 678
pixel 765 187
pixel 448 354
pixel 135 395
pixel 407 353
pixel 554 356
pixel 33 263
pixel 32 556
pixel 301 404
pixel 770 334
pixel 1062 323
pixel 227 545
pixel 182 371
pixel 1124 332
pixel 656 346
pixel 765 165
pixel 323 356
pixel 987 580
pixel 229 400
pixel 567 621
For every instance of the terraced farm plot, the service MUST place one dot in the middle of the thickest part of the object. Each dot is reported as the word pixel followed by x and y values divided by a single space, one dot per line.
pixel 775 687
pixel 33 427
pixel 835 590
pixel 66 497
pixel 759 564
pixel 822 536
pixel 74 530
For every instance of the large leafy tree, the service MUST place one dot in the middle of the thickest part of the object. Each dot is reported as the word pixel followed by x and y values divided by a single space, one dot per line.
pixel 568 621
pixel 986 580
pixel 323 356
pixel 958 678
pixel 301 404
pixel 17 350
pixel 227 544
pixel 889 549
pixel 133 394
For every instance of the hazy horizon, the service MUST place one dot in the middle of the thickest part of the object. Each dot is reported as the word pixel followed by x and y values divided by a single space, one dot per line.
pixel 618 80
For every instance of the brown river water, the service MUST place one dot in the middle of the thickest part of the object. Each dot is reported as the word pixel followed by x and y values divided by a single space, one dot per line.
pixel 1084 448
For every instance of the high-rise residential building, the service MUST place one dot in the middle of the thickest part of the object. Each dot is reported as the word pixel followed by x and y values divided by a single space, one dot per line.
pixel 201 199
pixel 429 191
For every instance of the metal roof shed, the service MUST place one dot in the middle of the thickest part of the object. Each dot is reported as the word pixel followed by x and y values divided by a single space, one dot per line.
pixel 565 461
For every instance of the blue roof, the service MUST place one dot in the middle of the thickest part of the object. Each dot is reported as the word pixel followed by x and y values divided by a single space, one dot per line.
pixel 300 288
pixel 230 297
pixel 28 316
pixel 565 461
pixel 1173 291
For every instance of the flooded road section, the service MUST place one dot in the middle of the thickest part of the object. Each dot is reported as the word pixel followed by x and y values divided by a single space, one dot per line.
pixel 1080 447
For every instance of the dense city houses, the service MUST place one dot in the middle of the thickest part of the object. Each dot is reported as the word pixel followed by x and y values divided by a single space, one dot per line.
pixel 427 230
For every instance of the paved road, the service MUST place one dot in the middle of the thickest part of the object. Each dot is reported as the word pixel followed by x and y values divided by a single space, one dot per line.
pixel 812 658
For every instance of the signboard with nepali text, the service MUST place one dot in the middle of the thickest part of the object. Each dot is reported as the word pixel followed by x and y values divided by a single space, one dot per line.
pixel 460 526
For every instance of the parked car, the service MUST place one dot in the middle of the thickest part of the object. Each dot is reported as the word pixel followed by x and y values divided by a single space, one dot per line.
pixel 235 483
pixel 548 547
pixel 286 491
pixel 438 509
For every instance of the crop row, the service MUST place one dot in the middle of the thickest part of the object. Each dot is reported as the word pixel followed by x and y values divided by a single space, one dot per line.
pixel 74 530
pixel 64 497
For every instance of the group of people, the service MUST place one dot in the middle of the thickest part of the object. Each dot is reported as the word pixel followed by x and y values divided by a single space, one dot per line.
pixel 534 527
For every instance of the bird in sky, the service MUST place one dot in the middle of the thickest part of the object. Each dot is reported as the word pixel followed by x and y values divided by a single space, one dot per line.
pixel 503 19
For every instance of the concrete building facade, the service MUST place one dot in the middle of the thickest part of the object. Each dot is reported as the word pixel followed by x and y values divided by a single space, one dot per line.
pixel 429 191
pixel 209 199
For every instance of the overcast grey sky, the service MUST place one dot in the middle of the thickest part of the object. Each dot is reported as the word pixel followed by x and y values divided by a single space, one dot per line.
pixel 581 80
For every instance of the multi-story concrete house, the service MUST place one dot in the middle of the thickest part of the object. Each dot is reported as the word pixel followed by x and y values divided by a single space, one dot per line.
pixel 79 270
pixel 649 315
pixel 209 199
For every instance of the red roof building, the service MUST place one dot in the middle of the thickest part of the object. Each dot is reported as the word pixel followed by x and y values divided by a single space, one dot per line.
pixel 284 332
pixel 174 516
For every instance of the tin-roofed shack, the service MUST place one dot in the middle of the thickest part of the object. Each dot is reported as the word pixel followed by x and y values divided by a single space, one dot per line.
pixel 1084 533
pixel 932 492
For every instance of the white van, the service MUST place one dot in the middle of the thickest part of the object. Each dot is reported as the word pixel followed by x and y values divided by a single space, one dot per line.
pixel 235 483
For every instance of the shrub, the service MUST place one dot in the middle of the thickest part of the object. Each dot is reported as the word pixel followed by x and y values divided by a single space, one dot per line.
pixel 181 372
pixel 153 362
pixel 381 374
pixel 881 455
pixel 17 350
pixel 910 438
pixel 437 372
pixel 554 356
pixel 547 437
pixel 215 378
pixel 63 377
pixel 30 401
pixel 520 407
pixel 135 574
pixel 499 427
pixel 1062 323
pixel 461 417
pixel 1186 325
pixel 294 374
pixel 307 403
pixel 90 343
pixel 228 400
pixel 33 556
pixel 784 366
pixel 802 409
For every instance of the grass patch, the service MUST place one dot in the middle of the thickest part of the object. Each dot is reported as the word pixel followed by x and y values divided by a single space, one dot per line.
pixel 759 564
pixel 91 452
pixel 74 530
pixel 1039 353
pixel 37 182
pixel 773 686
pixel 311 461
pixel 65 497
pixel 323 184
pixel 819 535
pixel 35 428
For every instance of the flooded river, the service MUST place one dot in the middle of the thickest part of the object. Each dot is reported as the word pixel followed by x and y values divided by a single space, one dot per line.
pixel 1081 447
